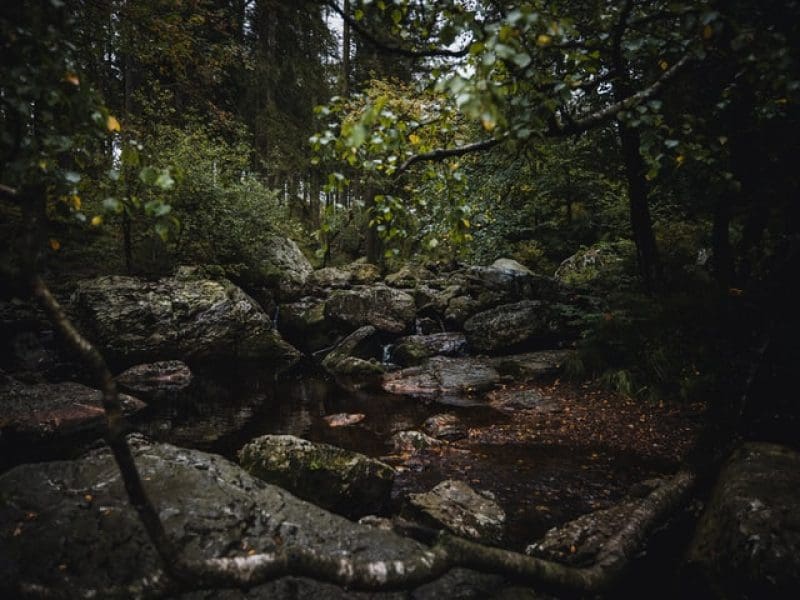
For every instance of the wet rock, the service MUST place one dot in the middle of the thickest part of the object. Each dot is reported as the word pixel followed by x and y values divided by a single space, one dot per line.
pixel 355 355
pixel 466 512
pixel 384 308
pixel 344 419
pixel 210 507
pixel 413 349
pixel 45 412
pixel 747 543
pixel 133 320
pixel 443 377
pixel 329 277
pixel 152 381
pixel 303 323
pixel 408 276
pixel 410 442
pixel 345 482
pixel 512 326
pixel 446 426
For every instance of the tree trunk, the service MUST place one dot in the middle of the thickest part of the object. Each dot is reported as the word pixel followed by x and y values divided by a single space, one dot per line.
pixel 641 222
pixel 373 242
pixel 346 51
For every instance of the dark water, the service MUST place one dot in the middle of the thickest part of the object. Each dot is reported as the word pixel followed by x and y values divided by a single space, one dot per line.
pixel 539 487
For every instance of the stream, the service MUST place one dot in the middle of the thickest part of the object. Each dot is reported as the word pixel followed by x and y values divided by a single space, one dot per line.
pixel 539 486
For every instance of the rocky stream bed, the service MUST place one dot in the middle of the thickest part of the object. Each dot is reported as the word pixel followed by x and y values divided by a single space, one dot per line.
pixel 435 398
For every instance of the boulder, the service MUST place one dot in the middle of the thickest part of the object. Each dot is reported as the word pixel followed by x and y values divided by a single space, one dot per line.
pixel 303 323
pixel 329 277
pixel 747 542
pixel 444 378
pixel 465 512
pixel 277 264
pixel 411 442
pixel 133 320
pixel 47 412
pixel 413 349
pixel 603 260
pixel 446 426
pixel 346 482
pixel 408 276
pixel 524 324
pixel 68 525
pixel 384 308
pixel 363 273
pixel 582 542
pixel 152 381
pixel 531 366
pixel 355 355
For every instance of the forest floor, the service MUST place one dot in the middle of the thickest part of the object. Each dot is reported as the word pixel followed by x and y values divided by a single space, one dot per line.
pixel 579 448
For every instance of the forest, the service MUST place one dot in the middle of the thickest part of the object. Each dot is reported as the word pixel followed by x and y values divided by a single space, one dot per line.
pixel 402 299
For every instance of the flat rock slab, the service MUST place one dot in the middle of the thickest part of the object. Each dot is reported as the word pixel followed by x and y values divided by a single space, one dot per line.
pixel 49 411
pixel 68 525
pixel 414 349
pixel 456 506
pixel 442 377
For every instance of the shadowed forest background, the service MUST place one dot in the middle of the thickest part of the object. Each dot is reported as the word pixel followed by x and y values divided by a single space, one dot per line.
pixel 527 265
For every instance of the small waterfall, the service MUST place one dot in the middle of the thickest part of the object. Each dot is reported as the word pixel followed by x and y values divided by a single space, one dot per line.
pixel 275 317
pixel 417 327
pixel 386 354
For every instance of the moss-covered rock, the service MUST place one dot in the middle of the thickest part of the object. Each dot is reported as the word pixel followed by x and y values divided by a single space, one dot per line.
pixel 134 320
pixel 345 482
pixel 384 308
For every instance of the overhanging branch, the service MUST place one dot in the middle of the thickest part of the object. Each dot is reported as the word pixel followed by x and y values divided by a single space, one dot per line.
pixel 442 153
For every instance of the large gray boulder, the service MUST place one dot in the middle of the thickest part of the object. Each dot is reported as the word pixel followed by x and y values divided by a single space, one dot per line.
pixel 133 320
pixel 278 264
pixel 384 308
pixel 747 543
pixel 345 482
pixel 456 506
pixel 68 523
pixel 501 330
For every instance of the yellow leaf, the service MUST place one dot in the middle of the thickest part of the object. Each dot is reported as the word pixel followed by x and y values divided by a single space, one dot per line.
pixel 707 32
pixel 663 64
pixel 544 40
pixel 76 201
pixel 72 78
pixel 680 159
pixel 488 123
pixel 55 244
pixel 414 139
pixel 97 220
pixel 112 124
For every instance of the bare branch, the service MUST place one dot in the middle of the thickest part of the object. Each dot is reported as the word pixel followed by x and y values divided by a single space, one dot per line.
pixel 387 47
pixel 8 191
pixel 608 113
pixel 442 153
